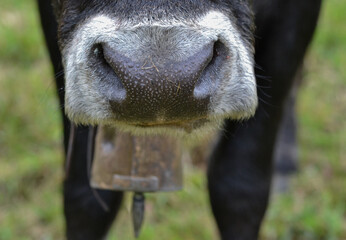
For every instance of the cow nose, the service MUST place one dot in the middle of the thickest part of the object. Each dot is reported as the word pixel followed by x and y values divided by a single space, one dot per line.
pixel 157 86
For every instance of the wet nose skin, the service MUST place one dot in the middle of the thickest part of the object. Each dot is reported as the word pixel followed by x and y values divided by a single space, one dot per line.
pixel 157 89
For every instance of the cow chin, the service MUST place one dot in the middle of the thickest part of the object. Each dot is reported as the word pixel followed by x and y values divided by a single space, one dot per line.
pixel 191 131
pixel 225 87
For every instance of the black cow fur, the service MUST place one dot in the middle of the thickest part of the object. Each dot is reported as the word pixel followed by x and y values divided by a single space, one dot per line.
pixel 240 168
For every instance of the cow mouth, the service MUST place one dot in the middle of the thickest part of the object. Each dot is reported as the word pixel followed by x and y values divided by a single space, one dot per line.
pixel 186 125
pixel 170 124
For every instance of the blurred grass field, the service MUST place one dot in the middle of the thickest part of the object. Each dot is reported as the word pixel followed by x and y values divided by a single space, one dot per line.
pixel 31 151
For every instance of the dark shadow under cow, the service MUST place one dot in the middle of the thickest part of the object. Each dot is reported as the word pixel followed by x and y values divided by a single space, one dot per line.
pixel 213 50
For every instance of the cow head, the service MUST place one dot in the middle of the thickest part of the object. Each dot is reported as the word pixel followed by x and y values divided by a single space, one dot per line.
pixel 157 66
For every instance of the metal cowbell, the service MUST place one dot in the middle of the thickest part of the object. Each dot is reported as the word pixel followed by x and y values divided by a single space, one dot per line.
pixel 140 164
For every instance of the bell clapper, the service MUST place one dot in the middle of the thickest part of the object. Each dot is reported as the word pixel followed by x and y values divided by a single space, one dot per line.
pixel 138 206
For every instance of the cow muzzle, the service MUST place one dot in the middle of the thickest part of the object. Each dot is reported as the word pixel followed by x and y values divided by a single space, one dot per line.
pixel 158 75
pixel 164 82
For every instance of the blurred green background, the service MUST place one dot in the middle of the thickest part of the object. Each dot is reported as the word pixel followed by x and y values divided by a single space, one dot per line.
pixel 31 151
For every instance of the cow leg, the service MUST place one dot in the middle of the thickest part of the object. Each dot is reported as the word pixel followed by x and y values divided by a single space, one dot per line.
pixel 88 214
pixel 239 173
pixel 239 177
pixel 85 217
pixel 286 150
pixel 285 154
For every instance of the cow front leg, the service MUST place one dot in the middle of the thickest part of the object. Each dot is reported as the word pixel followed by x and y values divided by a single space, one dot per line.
pixel 239 176
pixel 85 217
pixel 286 149
pixel 89 213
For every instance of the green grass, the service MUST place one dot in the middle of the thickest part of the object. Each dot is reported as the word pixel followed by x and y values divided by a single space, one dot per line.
pixel 31 152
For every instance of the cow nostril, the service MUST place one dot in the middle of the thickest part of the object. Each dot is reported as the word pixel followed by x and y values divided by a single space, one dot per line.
pixel 103 56
pixel 219 50
pixel 107 54
pixel 219 54
pixel 208 81
pixel 97 52
pixel 111 86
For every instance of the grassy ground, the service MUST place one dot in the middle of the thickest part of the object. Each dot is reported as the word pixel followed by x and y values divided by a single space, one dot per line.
pixel 31 156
